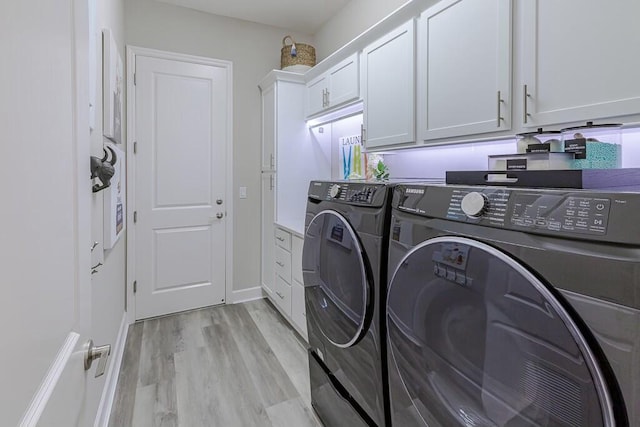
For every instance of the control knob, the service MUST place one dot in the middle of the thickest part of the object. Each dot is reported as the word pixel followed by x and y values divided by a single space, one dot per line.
pixel 474 204
pixel 334 191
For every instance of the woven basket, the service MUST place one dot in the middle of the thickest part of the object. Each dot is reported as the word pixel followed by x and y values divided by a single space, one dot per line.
pixel 303 54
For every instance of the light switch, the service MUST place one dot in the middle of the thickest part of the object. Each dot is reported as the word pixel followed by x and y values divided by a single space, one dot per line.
pixel 243 192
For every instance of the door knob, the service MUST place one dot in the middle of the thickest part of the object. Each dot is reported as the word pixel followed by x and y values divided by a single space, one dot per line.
pixel 93 352
pixel 219 215
pixel 219 201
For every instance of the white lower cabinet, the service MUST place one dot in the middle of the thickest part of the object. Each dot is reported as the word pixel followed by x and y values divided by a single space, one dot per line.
pixel 288 292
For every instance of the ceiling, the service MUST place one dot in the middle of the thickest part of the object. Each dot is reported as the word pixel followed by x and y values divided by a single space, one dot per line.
pixel 305 16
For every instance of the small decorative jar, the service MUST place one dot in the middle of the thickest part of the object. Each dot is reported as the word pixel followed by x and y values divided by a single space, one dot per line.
pixel 594 146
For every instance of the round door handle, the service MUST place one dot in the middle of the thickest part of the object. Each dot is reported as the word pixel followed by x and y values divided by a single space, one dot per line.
pixel 219 201
pixel 219 215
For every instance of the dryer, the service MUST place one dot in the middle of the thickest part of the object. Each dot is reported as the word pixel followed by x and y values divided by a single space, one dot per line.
pixel 514 307
pixel 344 271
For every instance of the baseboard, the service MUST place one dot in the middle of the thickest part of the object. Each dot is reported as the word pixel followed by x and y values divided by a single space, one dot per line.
pixel 109 391
pixel 63 360
pixel 245 295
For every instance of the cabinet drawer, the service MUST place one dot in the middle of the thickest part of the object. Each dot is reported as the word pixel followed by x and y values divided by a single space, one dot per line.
pixel 298 310
pixel 282 295
pixel 283 264
pixel 283 239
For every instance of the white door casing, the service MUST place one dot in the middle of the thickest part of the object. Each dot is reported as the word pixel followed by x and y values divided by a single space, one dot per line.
pixel 45 215
pixel 182 135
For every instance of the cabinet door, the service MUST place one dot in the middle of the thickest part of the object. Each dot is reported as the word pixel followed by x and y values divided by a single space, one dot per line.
pixel 388 88
pixel 580 60
pixel 296 258
pixel 464 68
pixel 267 269
pixel 269 128
pixel 344 82
pixel 316 97
pixel 298 312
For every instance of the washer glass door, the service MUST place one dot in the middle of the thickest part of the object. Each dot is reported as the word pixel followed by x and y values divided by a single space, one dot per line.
pixel 336 279
pixel 478 340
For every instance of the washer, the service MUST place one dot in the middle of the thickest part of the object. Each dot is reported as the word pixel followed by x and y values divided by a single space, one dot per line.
pixel 514 307
pixel 344 270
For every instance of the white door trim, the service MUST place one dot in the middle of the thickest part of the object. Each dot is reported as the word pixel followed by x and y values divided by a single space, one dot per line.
pixel 132 51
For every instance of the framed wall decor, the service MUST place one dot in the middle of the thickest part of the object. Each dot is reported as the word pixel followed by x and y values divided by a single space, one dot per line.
pixel 112 88
pixel 115 199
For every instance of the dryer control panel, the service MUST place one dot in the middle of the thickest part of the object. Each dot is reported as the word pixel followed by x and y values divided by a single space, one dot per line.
pixel 353 193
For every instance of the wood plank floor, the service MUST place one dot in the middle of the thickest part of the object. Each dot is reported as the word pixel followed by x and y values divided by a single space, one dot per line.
pixel 234 365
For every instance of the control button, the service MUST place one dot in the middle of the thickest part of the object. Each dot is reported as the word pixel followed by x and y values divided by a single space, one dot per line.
pixel 600 206
pixel 334 191
pixel 474 204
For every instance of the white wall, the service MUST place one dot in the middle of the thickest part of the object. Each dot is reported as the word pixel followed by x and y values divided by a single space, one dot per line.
pixel 254 50
pixel 108 285
pixel 433 162
pixel 356 17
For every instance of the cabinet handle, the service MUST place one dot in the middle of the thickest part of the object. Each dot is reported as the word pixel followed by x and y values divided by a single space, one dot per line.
pixel 526 95
pixel 500 101
pixel 328 99
pixel 363 134
pixel 280 295
pixel 324 98
pixel 273 163
pixel 280 238
pixel 280 264
pixel 271 182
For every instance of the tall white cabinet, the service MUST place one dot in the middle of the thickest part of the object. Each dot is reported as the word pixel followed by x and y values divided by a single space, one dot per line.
pixel 580 60
pixel 290 159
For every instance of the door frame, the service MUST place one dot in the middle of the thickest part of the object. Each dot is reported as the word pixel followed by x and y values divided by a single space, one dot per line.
pixel 132 52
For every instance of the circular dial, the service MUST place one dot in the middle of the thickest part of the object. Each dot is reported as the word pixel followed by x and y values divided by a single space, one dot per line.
pixel 334 191
pixel 474 204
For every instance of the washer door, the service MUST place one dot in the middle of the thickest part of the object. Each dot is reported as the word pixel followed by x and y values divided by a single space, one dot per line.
pixel 336 279
pixel 478 340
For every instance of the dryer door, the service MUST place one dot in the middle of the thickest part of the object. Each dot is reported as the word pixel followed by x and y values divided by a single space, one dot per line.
pixel 477 340
pixel 336 279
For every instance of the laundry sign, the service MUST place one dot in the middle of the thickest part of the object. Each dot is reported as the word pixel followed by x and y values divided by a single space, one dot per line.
pixel 353 163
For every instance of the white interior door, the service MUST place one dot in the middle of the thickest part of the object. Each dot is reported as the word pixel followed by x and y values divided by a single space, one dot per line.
pixel 182 130
pixel 44 181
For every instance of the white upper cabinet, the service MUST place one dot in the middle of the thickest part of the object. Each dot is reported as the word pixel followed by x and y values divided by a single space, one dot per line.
pixel 336 87
pixel 464 68
pixel 580 60
pixel 388 88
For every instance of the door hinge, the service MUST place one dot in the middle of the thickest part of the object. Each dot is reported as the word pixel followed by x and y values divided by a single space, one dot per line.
pixel 135 216
pixel 135 147
pixel 135 80
pixel 135 286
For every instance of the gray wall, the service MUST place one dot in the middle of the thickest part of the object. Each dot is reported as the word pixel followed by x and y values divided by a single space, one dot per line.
pixel 108 285
pixel 254 50
pixel 356 17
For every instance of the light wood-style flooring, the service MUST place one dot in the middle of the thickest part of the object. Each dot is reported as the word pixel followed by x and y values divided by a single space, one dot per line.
pixel 233 365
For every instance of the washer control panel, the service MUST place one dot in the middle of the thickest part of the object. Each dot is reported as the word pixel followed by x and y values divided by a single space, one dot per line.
pixel 531 210
pixel 573 214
